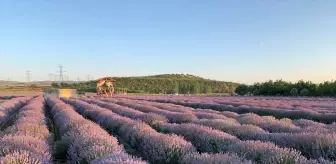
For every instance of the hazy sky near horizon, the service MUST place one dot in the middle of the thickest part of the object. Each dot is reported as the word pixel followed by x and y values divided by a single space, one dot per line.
pixel 240 41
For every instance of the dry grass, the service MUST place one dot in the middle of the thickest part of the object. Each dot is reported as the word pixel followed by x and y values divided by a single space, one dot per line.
pixel 20 90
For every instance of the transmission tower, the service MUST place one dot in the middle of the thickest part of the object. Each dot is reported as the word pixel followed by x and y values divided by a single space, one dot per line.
pixel 61 72
pixel 66 77
pixel 51 76
pixel 28 76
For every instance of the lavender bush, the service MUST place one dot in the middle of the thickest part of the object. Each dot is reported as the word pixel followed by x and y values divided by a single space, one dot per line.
pixel 11 106
pixel 279 108
pixel 312 145
pixel 196 158
pixel 120 158
pixel 84 139
pixel 172 116
pixel 27 141
pixel 267 123
pixel 261 152
pixel 154 146
pixel 171 107
pixel 204 138
pixel 216 130
pixel 150 118
pixel 223 113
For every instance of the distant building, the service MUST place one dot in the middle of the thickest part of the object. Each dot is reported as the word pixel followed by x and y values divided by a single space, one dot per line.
pixel 66 93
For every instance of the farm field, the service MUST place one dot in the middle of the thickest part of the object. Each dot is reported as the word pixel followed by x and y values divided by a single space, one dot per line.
pixel 318 109
pixel 167 130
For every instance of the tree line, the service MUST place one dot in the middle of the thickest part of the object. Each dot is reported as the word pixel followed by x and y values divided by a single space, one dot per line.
pixel 283 88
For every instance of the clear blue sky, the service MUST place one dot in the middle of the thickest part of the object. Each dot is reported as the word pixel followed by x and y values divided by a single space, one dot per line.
pixel 236 40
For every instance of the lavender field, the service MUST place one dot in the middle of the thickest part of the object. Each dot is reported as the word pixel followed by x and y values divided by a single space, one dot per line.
pixel 167 130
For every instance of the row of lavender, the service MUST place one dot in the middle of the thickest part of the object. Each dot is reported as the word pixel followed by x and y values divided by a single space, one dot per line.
pixel 7 97
pixel 317 104
pixel 154 146
pixel 27 140
pixel 11 106
pixel 207 139
pixel 85 141
pixel 268 123
pixel 312 144
pixel 322 115
pixel 76 134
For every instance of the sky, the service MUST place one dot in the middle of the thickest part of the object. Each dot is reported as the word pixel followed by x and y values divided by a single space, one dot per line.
pixel 240 41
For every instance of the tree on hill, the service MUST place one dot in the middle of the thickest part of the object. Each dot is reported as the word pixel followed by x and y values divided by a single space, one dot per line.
pixel 294 92
pixel 208 90
pixel 304 92
pixel 176 87
pixel 242 89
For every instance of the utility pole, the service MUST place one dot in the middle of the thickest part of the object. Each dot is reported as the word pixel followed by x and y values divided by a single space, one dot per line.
pixel 28 76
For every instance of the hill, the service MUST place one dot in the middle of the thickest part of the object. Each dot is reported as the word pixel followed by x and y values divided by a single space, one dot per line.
pixel 164 83
pixel 174 76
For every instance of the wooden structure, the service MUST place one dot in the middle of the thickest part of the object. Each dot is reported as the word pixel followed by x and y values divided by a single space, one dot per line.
pixel 105 86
